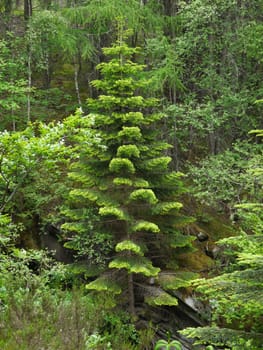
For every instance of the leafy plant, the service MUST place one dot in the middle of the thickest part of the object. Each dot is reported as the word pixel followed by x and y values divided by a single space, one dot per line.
pixel 235 296
pixel 168 345
pixel 13 88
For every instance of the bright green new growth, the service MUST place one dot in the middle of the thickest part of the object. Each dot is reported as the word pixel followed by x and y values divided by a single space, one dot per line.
pixel 103 284
pixel 120 165
pixel 145 226
pixel 166 207
pixel 145 195
pixel 135 264
pixel 129 245
pixel 122 181
pixel 128 151
pixel 130 134
pixel 128 181
pixel 111 211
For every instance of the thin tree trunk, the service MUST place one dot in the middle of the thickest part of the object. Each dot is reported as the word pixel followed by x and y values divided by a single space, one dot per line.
pixel 8 7
pixel 13 120
pixel 175 148
pixel 29 72
pixel 27 16
pixel 3 205
pixel 27 9
pixel 131 295
pixel 76 79
pixel 212 136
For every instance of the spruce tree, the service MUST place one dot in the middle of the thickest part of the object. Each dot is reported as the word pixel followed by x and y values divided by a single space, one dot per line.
pixel 127 181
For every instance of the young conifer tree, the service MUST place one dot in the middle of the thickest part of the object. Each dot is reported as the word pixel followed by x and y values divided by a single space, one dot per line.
pixel 128 181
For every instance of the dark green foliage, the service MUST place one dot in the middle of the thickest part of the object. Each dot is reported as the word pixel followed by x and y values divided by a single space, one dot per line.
pixel 236 295
pixel 219 67
pixel 39 310
pixel 13 87
pixel 230 177
pixel 26 157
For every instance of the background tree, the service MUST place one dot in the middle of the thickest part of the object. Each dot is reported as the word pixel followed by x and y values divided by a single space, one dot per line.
pixel 13 88
pixel 224 180
pixel 236 295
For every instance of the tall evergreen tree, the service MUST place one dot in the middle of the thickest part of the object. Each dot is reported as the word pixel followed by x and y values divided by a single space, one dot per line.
pixel 127 181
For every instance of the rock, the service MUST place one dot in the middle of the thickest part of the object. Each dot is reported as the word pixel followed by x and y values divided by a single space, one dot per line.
pixel 213 251
pixel 202 236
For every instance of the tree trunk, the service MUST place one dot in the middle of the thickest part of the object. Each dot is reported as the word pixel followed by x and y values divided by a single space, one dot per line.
pixel 77 71
pixel 131 295
pixel 213 142
pixel 27 9
pixel 8 6
pixel 29 85
pixel 47 4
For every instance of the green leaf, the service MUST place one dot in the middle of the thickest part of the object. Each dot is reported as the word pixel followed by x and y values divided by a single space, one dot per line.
pixel 165 345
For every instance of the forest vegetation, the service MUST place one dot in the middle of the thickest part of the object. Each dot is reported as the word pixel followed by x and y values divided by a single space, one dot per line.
pixel 131 173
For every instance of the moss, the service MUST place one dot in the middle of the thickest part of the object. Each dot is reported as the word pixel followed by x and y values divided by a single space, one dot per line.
pixel 209 220
pixel 218 227
pixel 195 261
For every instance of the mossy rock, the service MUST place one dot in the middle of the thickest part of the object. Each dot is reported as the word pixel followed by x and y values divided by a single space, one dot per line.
pixel 196 261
